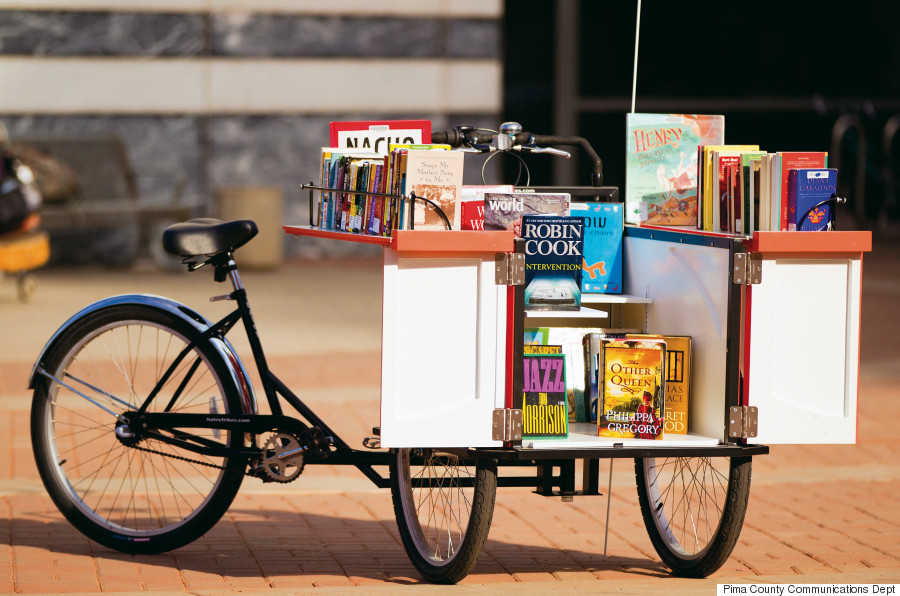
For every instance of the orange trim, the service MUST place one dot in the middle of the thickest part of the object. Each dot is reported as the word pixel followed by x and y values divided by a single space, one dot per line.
pixel 811 242
pixel 452 241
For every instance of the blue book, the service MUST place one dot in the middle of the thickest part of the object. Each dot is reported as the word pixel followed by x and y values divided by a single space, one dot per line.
pixel 553 256
pixel 807 187
pixel 603 229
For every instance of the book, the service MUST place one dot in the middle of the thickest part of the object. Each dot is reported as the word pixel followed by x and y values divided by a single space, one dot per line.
pixel 678 381
pixel 504 211
pixel 721 159
pixel 793 160
pixel 806 189
pixel 378 135
pixel 591 343
pixel 661 165
pixel 472 204
pixel 553 258
pixel 603 231
pixel 749 188
pixel 544 409
pixel 632 389
pixel 436 175
pixel 712 174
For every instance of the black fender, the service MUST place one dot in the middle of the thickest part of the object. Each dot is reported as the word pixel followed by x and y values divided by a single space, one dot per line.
pixel 238 376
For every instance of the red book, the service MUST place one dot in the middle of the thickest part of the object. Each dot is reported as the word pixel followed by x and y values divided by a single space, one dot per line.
pixel 791 160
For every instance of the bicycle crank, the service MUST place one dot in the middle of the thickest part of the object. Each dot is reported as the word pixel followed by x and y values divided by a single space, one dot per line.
pixel 282 458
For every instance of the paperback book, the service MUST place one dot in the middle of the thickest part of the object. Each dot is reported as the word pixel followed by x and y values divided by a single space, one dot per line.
pixel 632 389
pixel 553 259
pixel 603 231
pixel 544 410
pixel 661 165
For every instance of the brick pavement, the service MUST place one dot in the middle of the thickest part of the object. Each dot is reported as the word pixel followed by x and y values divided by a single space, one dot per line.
pixel 818 514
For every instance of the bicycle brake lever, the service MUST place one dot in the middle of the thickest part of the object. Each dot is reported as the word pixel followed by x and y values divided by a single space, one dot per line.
pixel 550 150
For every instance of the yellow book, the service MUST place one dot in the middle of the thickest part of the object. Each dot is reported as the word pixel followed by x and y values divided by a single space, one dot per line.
pixel 678 381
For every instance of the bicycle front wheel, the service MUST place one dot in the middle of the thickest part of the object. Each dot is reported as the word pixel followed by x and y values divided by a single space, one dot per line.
pixel 693 509
pixel 444 505
pixel 147 496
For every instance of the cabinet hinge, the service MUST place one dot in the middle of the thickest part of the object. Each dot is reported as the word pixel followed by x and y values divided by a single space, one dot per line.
pixel 747 269
pixel 509 269
pixel 743 422
pixel 507 425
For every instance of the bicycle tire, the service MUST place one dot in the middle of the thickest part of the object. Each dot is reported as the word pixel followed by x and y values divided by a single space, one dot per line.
pixel 692 510
pixel 128 499
pixel 443 527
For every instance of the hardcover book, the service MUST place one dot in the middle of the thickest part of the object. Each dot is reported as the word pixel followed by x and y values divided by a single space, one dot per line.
pixel 632 389
pixel 435 175
pixel 553 259
pixel 544 411
pixel 661 165
pixel 794 160
pixel 504 211
pixel 603 231
pixel 378 135
pixel 678 381
pixel 806 189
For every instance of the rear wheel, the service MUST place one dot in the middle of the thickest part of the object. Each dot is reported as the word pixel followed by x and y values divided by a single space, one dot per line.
pixel 444 505
pixel 137 497
pixel 693 509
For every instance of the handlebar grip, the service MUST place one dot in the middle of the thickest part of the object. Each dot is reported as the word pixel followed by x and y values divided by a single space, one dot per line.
pixel 448 137
pixel 551 140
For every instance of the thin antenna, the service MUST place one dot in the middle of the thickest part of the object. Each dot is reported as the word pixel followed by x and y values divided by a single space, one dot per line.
pixel 637 36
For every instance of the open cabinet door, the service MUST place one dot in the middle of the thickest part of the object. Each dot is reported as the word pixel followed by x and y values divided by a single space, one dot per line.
pixel 804 336
pixel 443 348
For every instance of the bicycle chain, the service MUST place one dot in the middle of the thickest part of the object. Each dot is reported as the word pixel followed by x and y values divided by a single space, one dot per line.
pixel 178 457
pixel 248 471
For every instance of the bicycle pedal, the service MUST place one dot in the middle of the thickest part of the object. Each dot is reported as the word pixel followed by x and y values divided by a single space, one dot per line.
pixel 372 443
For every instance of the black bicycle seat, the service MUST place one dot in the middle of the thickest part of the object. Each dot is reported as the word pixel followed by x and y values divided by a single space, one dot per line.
pixel 207 237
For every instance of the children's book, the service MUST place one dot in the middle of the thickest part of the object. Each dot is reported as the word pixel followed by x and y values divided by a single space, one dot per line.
pixel 603 231
pixel 661 165
pixel 553 257
pixel 435 175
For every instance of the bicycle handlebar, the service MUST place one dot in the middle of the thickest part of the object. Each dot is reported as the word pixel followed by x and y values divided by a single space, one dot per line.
pixel 486 141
